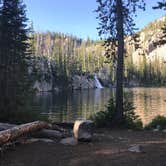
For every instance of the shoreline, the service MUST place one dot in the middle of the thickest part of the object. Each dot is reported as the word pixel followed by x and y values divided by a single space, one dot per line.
pixel 108 146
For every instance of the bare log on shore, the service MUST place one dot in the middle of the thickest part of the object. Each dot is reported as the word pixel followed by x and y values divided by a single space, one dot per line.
pixel 18 131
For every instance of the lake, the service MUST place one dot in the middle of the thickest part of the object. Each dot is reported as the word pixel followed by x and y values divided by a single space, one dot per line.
pixel 68 106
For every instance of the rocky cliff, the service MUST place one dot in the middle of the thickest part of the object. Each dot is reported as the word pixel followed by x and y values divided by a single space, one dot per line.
pixel 148 37
pixel 147 64
pixel 42 72
pixel 45 79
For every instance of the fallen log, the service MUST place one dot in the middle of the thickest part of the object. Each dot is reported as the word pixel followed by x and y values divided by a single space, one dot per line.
pixel 18 131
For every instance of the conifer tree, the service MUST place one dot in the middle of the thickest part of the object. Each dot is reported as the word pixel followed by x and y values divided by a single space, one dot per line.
pixel 115 21
pixel 160 5
pixel 14 80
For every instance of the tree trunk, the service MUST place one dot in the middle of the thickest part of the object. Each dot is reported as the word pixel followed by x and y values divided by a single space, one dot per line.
pixel 15 132
pixel 120 62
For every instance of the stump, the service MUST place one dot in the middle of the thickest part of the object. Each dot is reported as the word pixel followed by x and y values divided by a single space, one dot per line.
pixel 83 130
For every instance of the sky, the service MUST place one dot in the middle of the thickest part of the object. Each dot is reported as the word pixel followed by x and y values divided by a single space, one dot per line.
pixel 77 17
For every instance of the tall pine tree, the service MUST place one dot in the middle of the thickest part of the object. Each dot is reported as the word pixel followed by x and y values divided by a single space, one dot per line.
pixel 116 21
pixel 14 84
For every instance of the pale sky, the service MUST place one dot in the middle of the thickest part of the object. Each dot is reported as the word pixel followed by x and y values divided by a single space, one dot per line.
pixel 76 16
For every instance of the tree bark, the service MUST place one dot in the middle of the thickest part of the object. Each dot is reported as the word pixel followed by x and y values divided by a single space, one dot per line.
pixel 15 132
pixel 120 62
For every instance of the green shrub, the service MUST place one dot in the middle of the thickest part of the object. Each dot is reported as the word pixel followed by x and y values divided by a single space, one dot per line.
pixel 107 118
pixel 131 120
pixel 104 118
pixel 158 122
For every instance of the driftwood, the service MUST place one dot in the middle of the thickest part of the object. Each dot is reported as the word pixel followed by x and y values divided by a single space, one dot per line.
pixel 18 131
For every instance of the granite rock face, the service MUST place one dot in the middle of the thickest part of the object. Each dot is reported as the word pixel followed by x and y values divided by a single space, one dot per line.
pixel 42 72
pixel 135 149
pixel 42 86
pixel 82 82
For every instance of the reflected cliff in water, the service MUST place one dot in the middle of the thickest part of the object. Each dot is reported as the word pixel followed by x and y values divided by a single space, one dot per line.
pixel 149 102
pixel 68 106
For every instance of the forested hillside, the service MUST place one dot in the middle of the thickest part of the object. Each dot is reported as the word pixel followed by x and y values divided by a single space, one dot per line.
pixel 65 56
pixel 70 56
pixel 147 64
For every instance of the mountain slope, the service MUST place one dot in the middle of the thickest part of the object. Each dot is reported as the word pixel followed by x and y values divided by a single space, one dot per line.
pixel 149 61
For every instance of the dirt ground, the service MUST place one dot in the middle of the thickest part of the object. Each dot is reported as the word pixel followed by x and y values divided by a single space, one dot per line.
pixel 109 148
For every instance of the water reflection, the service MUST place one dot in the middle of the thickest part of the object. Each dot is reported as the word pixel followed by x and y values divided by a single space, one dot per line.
pixel 149 102
pixel 68 106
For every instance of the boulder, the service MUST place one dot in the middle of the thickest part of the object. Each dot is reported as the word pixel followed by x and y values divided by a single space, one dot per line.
pixel 43 86
pixel 82 82
pixel 69 141
pixel 83 130
pixel 5 126
pixel 135 149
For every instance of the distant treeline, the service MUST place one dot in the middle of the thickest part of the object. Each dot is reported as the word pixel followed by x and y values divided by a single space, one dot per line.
pixel 73 55
pixel 70 54
pixel 150 73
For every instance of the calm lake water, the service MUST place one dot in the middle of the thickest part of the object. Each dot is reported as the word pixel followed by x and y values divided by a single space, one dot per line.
pixel 66 107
